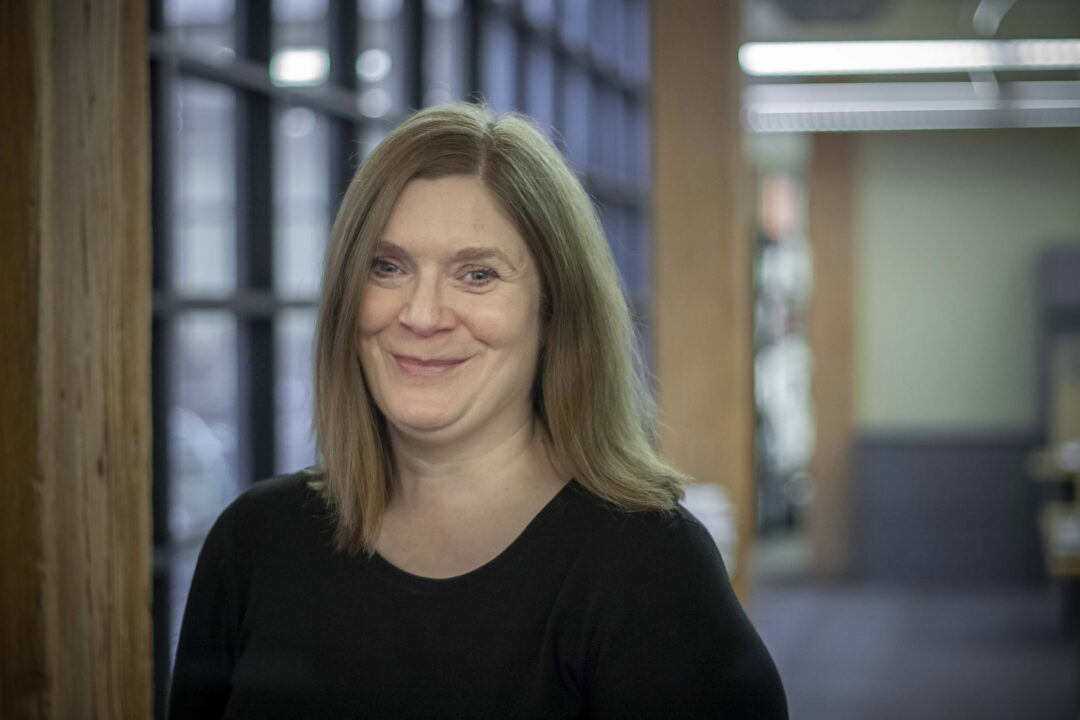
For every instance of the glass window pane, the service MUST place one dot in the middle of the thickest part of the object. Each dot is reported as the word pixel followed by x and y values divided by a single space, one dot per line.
pixel 540 13
pixel 576 122
pixel 575 22
pixel 294 332
pixel 299 23
pixel 624 162
pixel 498 65
pixel 300 38
pixel 605 138
pixel 383 59
pixel 638 152
pixel 370 136
pixel 208 23
pixel 540 91
pixel 204 187
pixel 445 51
pixel 301 200
pixel 605 27
pixel 202 422
pixel 634 58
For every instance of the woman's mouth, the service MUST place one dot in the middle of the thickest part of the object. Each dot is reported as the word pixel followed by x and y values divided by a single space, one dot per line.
pixel 426 367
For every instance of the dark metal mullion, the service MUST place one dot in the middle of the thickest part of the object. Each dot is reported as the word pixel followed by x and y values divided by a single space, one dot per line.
pixel 246 301
pixel 558 101
pixel 474 25
pixel 161 403
pixel 552 37
pixel 522 50
pixel 415 50
pixel 243 73
pixel 254 246
pixel 343 51
pixel 161 129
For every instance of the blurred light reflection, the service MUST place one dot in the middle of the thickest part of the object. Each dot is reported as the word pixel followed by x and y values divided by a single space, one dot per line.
pixel 300 66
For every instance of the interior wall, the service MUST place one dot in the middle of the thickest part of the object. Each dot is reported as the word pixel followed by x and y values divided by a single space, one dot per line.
pixel 948 226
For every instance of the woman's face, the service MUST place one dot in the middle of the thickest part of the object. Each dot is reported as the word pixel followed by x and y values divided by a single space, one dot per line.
pixel 449 328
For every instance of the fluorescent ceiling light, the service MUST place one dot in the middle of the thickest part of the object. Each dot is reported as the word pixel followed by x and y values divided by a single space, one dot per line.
pixel 907 56
pixel 821 107
pixel 300 66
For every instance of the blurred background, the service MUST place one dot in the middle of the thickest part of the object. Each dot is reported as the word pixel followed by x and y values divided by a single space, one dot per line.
pixel 908 237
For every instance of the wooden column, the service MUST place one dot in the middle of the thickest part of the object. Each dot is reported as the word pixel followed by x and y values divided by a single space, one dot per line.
pixel 831 338
pixel 701 247
pixel 75 547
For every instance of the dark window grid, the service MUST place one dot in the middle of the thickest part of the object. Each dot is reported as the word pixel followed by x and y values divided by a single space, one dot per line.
pixel 618 182
pixel 250 76
pixel 245 302
pixel 253 303
pixel 246 74
pixel 256 305
pixel 342 44
pixel 160 194
pixel 254 238
pixel 599 66
pixel 603 185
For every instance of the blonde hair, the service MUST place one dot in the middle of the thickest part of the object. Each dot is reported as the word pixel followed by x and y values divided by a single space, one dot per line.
pixel 588 395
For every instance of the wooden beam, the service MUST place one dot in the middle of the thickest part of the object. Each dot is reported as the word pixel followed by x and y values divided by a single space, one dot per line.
pixel 75 338
pixel 701 254
pixel 831 336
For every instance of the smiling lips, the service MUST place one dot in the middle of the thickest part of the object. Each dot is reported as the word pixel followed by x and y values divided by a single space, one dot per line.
pixel 431 367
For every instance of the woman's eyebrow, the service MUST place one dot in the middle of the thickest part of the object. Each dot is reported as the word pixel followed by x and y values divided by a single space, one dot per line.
pixel 484 253
pixel 467 254
pixel 384 246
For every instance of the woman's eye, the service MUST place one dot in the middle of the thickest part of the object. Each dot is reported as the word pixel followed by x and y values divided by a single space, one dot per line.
pixel 480 276
pixel 383 268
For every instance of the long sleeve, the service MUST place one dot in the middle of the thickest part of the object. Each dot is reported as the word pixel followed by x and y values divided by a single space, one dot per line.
pixel 207 649
pixel 673 641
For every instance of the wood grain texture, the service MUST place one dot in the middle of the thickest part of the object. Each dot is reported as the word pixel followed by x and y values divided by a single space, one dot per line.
pixel 77 545
pixel 701 254
pixel 831 337
pixel 22 626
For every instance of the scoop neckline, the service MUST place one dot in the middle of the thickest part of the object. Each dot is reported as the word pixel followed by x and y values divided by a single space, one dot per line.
pixel 483 574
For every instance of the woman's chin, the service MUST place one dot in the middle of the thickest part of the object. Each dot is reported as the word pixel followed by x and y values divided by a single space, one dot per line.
pixel 424 421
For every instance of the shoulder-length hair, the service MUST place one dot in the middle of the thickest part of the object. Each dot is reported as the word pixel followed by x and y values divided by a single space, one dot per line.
pixel 588 394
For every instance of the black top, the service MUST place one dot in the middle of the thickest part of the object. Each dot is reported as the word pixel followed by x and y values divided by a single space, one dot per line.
pixel 590 612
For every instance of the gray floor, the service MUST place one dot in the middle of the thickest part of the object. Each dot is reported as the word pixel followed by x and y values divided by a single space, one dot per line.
pixel 847 650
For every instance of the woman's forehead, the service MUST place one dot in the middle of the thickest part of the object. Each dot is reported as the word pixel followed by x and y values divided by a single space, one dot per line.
pixel 452 217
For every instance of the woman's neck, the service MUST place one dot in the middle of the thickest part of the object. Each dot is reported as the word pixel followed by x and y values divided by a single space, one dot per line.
pixel 464 479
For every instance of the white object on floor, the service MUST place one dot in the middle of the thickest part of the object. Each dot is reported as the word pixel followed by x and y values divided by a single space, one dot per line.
pixel 710 504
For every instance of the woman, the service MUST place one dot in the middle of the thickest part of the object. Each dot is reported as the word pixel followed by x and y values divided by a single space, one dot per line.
pixel 491 533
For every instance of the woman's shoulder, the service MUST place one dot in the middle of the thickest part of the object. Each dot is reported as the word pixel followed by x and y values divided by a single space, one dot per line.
pixel 281 501
pixel 667 631
pixel 287 490
pixel 619 537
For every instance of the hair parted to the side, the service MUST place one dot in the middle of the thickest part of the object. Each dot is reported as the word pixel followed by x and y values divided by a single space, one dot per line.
pixel 589 395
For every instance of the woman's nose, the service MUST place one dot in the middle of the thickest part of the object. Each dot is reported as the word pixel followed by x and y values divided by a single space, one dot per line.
pixel 424 311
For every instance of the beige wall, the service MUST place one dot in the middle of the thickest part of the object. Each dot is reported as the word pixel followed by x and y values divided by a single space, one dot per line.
pixel 948 226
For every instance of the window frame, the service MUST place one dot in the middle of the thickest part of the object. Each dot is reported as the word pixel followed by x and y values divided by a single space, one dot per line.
pixel 254 303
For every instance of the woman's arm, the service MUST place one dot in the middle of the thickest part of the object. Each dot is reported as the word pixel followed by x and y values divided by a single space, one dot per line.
pixel 206 652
